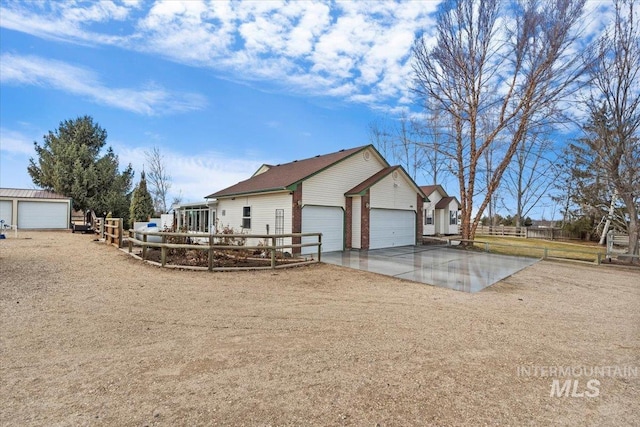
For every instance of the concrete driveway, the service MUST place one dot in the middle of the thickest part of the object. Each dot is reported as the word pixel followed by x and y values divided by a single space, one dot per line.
pixel 443 266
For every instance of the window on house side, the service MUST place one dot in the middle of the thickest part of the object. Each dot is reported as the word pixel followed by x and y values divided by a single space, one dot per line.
pixel 246 217
pixel 428 217
pixel 453 217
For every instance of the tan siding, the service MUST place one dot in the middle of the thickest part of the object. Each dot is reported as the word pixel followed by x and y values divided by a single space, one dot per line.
pixel 328 187
pixel 391 193
pixel 356 230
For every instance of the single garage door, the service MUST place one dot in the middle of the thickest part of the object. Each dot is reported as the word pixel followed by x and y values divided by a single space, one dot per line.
pixel 328 220
pixel 6 213
pixel 43 215
pixel 391 227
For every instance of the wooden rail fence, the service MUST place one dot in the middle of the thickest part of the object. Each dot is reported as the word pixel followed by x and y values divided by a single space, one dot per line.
pixel 212 247
pixel 113 231
pixel 536 251
pixel 524 232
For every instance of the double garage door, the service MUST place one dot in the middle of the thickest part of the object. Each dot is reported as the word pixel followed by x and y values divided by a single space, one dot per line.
pixel 391 227
pixel 36 215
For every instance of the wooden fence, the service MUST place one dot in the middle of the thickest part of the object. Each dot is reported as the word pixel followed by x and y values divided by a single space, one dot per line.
pixel 501 230
pixel 525 232
pixel 113 231
pixel 543 252
pixel 218 243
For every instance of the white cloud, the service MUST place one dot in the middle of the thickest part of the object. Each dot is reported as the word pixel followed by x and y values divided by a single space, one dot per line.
pixel 15 142
pixel 150 100
pixel 195 176
pixel 342 49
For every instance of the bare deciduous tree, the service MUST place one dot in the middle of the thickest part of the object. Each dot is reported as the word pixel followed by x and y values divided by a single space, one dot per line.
pixel 397 141
pixel 158 178
pixel 531 174
pixel 614 107
pixel 512 59
pixel 432 132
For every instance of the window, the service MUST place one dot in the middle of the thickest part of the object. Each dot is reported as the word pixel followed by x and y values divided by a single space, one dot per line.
pixel 246 217
pixel 428 217
pixel 453 217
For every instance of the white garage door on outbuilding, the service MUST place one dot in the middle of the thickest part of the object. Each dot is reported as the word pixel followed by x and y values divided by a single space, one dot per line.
pixel 45 215
pixel 35 209
pixel 392 227
pixel 328 220
pixel 6 211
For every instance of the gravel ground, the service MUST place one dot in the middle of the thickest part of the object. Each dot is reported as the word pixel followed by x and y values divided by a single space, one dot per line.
pixel 91 336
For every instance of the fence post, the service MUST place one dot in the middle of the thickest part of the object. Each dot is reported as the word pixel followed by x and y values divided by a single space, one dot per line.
pixel 130 241
pixel 319 246
pixel 119 233
pixel 144 246
pixel 486 246
pixel 273 252
pixel 163 251
pixel 211 252
pixel 545 254
pixel 598 259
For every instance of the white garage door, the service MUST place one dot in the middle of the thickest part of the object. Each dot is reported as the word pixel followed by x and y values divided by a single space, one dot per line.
pixel 327 220
pixel 43 215
pixel 6 211
pixel 391 227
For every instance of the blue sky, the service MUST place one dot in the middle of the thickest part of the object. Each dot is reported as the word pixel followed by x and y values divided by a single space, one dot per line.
pixel 220 87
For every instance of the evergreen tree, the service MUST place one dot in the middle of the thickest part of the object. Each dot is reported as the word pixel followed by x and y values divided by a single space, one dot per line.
pixel 141 202
pixel 69 163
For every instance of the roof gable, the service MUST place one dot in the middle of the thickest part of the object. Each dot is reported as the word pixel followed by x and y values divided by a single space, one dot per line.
pixel 444 202
pixel 361 188
pixel 429 189
pixel 281 177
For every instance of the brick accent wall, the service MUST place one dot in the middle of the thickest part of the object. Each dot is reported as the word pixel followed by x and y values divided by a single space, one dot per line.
pixel 348 222
pixel 296 220
pixel 364 221
pixel 419 219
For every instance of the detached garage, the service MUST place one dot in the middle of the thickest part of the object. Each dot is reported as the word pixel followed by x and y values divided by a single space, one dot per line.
pixel 34 209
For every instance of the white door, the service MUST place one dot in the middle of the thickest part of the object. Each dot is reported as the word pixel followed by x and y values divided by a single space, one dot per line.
pixel 6 211
pixel 43 215
pixel 391 227
pixel 328 220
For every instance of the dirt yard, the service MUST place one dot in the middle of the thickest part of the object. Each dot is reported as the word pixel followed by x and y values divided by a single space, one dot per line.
pixel 90 336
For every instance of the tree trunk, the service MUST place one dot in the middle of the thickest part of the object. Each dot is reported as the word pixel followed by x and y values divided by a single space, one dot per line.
pixel 634 247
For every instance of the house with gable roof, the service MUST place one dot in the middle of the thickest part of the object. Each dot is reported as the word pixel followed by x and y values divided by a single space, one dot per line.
pixel 440 212
pixel 353 197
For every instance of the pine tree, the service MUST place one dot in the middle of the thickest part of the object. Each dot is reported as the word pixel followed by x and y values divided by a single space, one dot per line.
pixel 70 163
pixel 141 202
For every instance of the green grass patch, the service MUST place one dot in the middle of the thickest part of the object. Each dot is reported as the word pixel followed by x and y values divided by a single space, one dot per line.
pixel 536 248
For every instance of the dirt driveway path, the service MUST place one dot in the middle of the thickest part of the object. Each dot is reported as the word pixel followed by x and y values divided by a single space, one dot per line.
pixel 89 336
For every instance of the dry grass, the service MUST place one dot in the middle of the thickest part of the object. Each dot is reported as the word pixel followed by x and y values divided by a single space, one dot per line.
pixel 91 336
pixel 536 248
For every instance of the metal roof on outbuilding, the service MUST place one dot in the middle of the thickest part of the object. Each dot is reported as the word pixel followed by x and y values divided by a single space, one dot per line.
pixel 21 193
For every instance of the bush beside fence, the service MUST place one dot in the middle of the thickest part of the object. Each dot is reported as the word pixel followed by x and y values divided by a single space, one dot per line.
pixel 221 248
